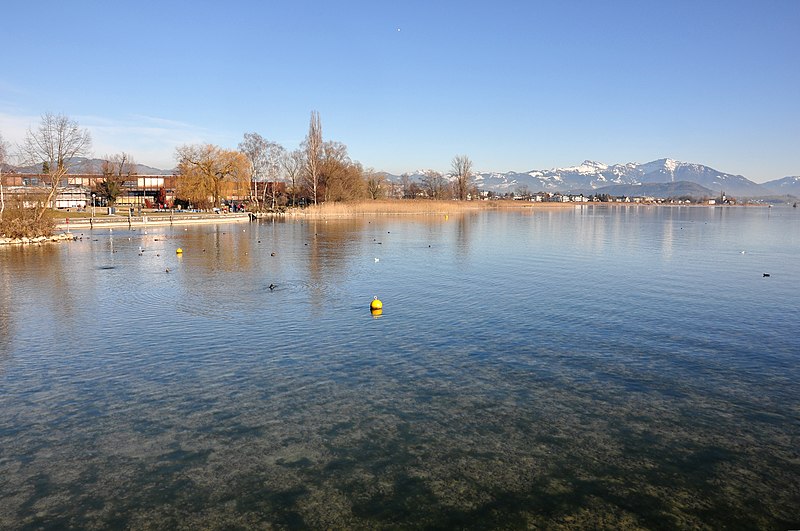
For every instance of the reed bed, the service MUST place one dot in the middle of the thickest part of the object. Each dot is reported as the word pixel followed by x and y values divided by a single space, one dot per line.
pixel 412 207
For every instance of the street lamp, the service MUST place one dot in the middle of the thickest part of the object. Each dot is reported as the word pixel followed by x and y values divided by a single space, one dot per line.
pixel 93 196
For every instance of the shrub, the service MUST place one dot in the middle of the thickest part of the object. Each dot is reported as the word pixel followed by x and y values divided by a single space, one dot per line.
pixel 15 226
pixel 19 217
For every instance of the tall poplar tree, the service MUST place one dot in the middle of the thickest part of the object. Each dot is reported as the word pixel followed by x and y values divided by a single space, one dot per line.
pixel 3 155
pixel 312 146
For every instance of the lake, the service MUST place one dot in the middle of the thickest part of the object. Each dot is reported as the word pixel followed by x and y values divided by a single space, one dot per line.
pixel 607 367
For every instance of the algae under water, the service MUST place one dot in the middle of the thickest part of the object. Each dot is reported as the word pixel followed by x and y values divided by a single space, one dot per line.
pixel 596 367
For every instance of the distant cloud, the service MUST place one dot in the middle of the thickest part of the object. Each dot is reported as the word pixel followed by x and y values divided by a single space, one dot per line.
pixel 14 126
pixel 151 140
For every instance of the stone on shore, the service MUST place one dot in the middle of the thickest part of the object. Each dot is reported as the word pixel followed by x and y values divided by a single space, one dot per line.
pixel 65 236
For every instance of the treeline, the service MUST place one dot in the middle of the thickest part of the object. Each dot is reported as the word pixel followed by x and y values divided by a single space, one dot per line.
pixel 317 171
pixel 270 175
pixel 261 171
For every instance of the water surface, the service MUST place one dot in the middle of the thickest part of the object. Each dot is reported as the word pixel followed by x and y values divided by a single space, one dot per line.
pixel 596 367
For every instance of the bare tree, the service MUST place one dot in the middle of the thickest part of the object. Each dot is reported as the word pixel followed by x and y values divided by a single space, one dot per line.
pixel 334 162
pixel 116 170
pixel 204 167
pixel 254 147
pixel 264 157
pixel 292 168
pixel 340 178
pixel 55 145
pixel 462 170
pixel 275 154
pixel 376 183
pixel 405 181
pixel 434 184
pixel 3 156
pixel 312 146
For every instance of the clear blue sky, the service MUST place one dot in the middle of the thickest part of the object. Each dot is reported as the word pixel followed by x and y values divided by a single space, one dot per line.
pixel 516 85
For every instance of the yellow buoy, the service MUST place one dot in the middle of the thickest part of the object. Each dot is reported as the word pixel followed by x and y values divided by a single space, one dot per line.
pixel 178 251
pixel 376 304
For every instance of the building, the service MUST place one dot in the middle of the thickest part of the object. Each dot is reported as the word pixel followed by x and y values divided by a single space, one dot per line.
pixel 75 190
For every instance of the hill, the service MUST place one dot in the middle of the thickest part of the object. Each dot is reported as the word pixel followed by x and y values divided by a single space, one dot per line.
pixel 785 186
pixel 86 165
pixel 663 190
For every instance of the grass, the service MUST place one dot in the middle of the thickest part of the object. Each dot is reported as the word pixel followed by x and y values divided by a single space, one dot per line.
pixel 60 215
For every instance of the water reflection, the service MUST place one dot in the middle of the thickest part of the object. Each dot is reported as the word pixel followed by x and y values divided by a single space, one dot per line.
pixel 6 307
pixel 464 222
pixel 331 245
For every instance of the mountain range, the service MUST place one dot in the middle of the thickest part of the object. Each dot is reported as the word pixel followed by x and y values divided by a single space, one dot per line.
pixel 90 166
pixel 592 177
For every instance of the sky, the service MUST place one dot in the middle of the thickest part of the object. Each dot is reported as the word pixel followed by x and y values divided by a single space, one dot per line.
pixel 514 85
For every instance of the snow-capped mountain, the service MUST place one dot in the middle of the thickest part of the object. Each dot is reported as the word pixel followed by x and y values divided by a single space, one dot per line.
pixel 785 186
pixel 591 175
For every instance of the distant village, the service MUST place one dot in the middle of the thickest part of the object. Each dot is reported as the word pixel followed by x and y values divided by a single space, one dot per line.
pixel 558 197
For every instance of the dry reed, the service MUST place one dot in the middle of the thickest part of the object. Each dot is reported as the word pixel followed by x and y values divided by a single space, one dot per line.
pixel 416 206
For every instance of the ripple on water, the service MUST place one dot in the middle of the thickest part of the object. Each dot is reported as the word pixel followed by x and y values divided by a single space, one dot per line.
pixel 553 370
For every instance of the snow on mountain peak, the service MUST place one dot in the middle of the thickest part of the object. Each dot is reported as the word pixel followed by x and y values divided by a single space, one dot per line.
pixel 668 166
pixel 591 166
pixel 586 167
pixel 591 175
pixel 594 164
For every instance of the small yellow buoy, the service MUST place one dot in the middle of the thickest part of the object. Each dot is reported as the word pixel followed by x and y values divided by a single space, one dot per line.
pixel 178 251
pixel 376 304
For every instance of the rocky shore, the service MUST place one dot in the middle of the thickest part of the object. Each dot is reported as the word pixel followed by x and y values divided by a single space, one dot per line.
pixel 114 222
pixel 64 236
pixel 151 219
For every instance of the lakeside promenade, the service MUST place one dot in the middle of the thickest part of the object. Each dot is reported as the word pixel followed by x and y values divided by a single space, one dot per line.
pixel 64 230
pixel 155 218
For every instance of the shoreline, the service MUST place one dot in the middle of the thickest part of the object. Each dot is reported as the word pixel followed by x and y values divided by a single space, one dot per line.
pixel 113 222
pixel 55 238
pixel 327 211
